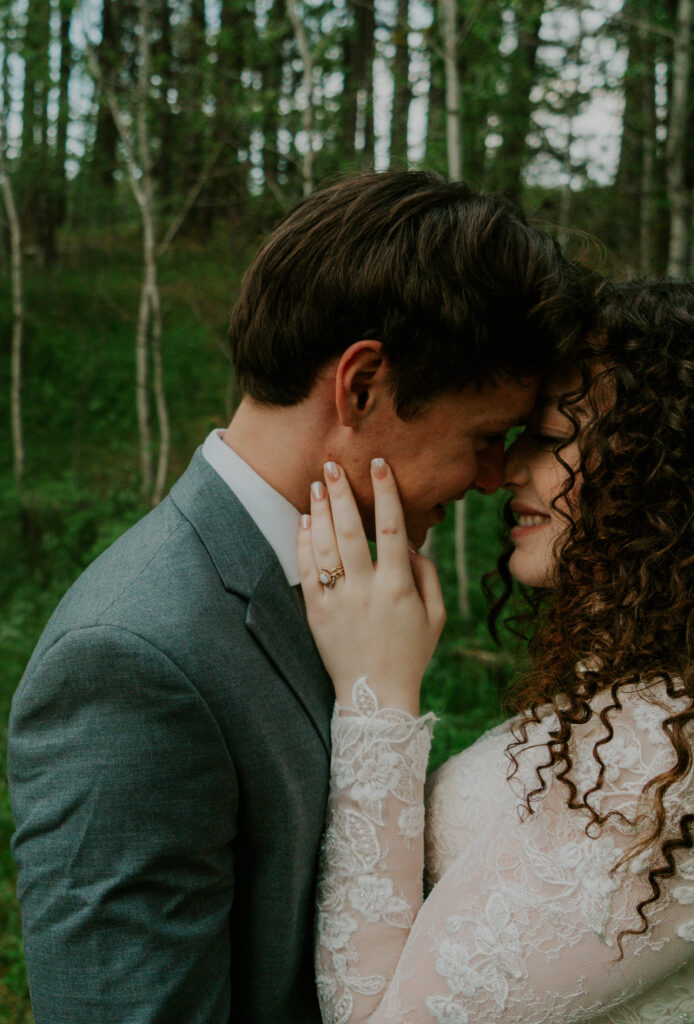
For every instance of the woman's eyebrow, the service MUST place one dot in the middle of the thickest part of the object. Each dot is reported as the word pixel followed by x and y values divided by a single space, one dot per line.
pixel 546 400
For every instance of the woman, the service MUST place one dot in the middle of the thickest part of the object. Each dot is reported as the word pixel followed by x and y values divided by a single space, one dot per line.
pixel 560 852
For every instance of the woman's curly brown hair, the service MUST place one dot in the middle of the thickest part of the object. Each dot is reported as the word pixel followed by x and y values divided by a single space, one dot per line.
pixel 622 603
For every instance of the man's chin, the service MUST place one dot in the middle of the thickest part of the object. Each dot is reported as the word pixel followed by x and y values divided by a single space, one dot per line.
pixel 417 535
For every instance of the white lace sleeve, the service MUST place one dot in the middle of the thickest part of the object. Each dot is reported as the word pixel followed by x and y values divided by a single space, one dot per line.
pixel 521 924
pixel 370 881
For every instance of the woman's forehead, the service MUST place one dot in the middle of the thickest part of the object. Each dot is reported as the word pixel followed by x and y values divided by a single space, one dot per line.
pixel 569 382
pixel 562 383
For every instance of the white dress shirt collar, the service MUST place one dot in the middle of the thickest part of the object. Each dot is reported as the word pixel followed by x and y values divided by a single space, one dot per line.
pixel 276 518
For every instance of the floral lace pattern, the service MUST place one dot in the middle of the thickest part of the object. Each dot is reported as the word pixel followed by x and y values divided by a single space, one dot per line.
pixel 378 769
pixel 523 910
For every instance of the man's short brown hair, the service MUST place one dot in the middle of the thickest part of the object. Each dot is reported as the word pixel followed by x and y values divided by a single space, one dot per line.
pixel 454 284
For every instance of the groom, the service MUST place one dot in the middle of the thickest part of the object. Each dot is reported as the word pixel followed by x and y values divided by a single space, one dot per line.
pixel 169 741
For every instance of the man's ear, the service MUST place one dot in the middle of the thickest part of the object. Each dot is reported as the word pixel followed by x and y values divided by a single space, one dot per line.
pixel 360 376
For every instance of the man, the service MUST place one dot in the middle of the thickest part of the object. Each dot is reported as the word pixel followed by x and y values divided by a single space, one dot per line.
pixel 169 742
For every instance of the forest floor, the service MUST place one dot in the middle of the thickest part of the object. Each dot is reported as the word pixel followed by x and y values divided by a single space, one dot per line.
pixel 81 488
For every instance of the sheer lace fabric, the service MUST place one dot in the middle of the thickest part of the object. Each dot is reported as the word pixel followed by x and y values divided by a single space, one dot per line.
pixel 521 919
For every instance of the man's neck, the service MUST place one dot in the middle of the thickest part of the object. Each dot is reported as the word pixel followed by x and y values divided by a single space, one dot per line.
pixel 286 446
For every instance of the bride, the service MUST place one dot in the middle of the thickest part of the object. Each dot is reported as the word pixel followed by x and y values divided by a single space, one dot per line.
pixel 559 848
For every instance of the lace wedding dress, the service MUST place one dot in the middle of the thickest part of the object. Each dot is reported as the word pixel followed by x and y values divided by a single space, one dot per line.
pixel 523 912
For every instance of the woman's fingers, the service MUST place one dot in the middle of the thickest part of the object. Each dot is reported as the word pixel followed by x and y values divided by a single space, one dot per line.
pixel 386 624
pixel 337 535
pixel 427 581
pixel 393 547
pixel 308 570
pixel 351 540
pixel 325 549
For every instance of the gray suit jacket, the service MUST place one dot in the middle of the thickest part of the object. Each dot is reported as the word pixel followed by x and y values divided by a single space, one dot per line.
pixel 168 761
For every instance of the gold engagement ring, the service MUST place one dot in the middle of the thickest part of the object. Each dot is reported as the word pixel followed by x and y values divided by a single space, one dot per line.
pixel 329 577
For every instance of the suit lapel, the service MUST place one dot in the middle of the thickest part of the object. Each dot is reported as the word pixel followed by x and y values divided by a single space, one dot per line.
pixel 276 621
pixel 248 566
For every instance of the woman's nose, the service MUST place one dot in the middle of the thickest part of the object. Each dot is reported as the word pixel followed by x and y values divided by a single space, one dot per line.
pixel 515 468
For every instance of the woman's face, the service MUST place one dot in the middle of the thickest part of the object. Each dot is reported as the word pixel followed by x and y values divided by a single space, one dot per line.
pixel 533 473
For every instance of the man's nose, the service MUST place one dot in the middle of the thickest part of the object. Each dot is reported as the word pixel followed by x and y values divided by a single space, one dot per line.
pixel 490 469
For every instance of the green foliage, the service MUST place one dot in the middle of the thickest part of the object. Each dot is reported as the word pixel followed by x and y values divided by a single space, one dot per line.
pixel 465 682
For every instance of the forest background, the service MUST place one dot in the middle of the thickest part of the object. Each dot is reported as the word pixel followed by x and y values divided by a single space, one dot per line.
pixel 146 148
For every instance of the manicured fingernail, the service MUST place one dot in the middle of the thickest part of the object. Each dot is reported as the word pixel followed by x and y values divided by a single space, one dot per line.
pixel 379 468
pixel 318 490
pixel 332 471
pixel 413 549
pixel 305 522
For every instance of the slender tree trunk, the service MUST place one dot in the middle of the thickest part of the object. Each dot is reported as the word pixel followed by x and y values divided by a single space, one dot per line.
pixel 461 559
pixel 198 116
pixel 307 116
pixel 36 75
pixel 435 144
pixel 518 113
pixel 631 153
pixel 17 315
pixel 402 94
pixel 449 28
pixel 159 389
pixel 58 184
pixel 34 196
pixel 144 424
pixel 140 176
pixel 279 32
pixel 678 195
pixel 234 52
pixel 565 206
pixel 366 95
pixel 566 195
pixel 16 357
pixel 106 136
pixel 358 132
pixel 151 306
pixel 648 166
pixel 165 166
pixel 137 153
pixel 454 153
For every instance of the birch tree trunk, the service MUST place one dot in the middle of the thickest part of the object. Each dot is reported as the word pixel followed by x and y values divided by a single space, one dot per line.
pixel 150 308
pixel 144 424
pixel 648 118
pixel 307 117
pixel 139 167
pixel 17 318
pixel 678 198
pixel 449 27
pixel 159 391
pixel 145 198
pixel 137 154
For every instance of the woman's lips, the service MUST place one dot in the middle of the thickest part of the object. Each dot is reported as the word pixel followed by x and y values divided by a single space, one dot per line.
pixel 529 521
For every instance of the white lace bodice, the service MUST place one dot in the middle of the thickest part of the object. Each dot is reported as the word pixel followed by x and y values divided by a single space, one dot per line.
pixel 523 912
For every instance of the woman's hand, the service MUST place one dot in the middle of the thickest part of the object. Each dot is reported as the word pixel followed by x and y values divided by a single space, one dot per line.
pixel 380 620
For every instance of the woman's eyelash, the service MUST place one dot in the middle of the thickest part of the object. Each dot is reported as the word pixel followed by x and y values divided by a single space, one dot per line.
pixel 549 440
